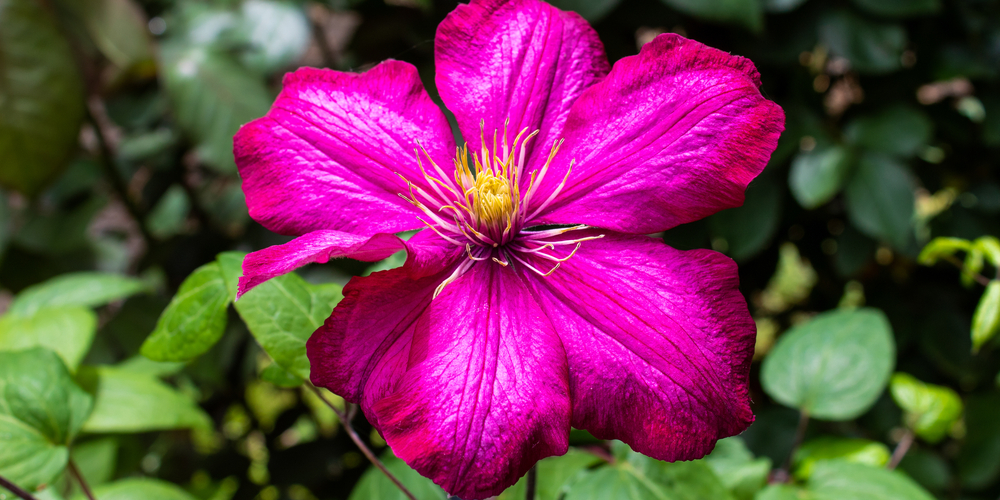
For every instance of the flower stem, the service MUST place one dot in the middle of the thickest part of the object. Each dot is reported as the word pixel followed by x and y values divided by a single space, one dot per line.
pixel 901 449
pixel 529 490
pixel 783 475
pixel 79 479
pixel 15 490
pixel 345 420
pixel 982 280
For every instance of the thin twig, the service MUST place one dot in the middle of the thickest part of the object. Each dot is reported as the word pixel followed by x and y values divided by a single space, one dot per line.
pixel 346 423
pixel 99 122
pixel 316 19
pixel 800 434
pixel 79 479
pixel 15 490
pixel 982 280
pixel 901 449
pixel 529 489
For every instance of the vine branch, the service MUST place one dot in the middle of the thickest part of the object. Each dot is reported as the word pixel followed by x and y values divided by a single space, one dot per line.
pixel 982 280
pixel 79 479
pixel 15 490
pixel 345 420
pixel 901 449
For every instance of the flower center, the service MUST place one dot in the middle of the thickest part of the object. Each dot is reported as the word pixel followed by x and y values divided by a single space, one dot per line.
pixel 483 208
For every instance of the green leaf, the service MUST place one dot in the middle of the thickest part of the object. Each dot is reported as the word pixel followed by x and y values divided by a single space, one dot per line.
pixel 973 265
pixel 747 13
pixel 990 247
pixel 119 29
pixel 899 8
pixel 817 176
pixel 880 200
pixel 638 477
pixel 87 289
pixel 782 5
pixel 899 130
pixel 145 366
pixel 737 469
pixel 748 229
pixel 978 464
pixel 211 96
pixel 41 97
pixel 986 320
pixel 275 32
pixel 780 492
pixel 591 10
pixel 833 367
pixel 554 475
pixel 869 46
pixel 195 319
pixel 130 402
pixel 942 247
pixel 859 451
pixel 280 377
pixel 134 489
pixel 374 485
pixel 282 313
pixel 930 410
pixel 169 216
pixel 838 480
pixel 67 330
pixel 96 459
pixel 41 411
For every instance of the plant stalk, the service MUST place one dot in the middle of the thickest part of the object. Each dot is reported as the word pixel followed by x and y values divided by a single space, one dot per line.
pixel 532 480
pixel 79 479
pixel 901 449
pixel 346 422
pixel 784 474
pixel 15 490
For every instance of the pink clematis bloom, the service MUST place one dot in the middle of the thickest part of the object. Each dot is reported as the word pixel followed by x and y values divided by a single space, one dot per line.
pixel 533 300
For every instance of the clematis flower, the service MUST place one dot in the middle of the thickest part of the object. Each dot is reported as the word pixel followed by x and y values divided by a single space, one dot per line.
pixel 532 300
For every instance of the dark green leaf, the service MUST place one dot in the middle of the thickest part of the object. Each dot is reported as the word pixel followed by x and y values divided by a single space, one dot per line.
pixel 838 480
pixel 41 97
pixel 130 402
pixel 748 229
pixel 930 410
pixel 782 5
pixel 591 10
pixel 374 485
pixel 41 410
pixel 869 46
pixel 880 200
pixel 817 176
pixel 67 330
pixel 747 13
pixel 986 320
pixel 212 96
pixel 169 216
pixel 834 367
pixel 118 28
pixel 88 289
pixel 899 130
pixel 195 319
pixel 899 8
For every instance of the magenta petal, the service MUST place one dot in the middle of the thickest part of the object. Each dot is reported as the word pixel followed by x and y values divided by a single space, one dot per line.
pixel 328 153
pixel 317 246
pixel 521 60
pixel 659 344
pixel 486 394
pixel 669 136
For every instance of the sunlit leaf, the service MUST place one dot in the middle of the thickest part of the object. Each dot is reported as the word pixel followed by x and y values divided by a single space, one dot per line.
pixel 859 451
pixel 930 410
pixel 737 469
pixel 839 480
pixel 195 319
pixel 66 330
pixel 939 248
pixel 554 475
pixel 275 32
pixel 986 320
pixel 374 485
pixel 129 402
pixel 41 411
pixel 87 289
pixel 136 488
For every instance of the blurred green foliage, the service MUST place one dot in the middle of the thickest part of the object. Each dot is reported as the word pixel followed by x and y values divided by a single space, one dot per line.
pixel 868 253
